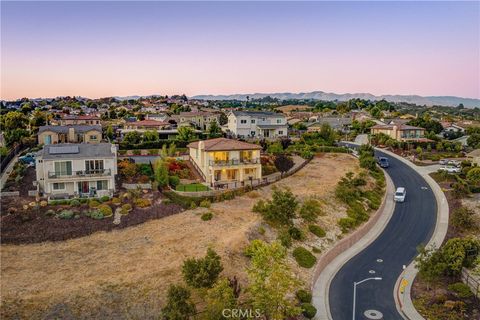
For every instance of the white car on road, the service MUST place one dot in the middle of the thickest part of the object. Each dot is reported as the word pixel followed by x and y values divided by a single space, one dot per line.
pixel 400 194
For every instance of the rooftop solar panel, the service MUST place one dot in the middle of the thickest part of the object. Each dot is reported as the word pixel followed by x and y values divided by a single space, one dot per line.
pixel 64 150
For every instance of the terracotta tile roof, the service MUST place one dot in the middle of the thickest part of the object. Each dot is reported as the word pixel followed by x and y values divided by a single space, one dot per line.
pixel 223 144
pixel 400 127
pixel 81 117
pixel 148 123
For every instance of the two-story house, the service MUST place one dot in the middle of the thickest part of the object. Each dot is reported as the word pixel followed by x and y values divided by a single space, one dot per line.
pixel 144 125
pixel 401 132
pixel 76 170
pixel 69 134
pixel 224 160
pixel 197 119
pixel 257 124
pixel 80 119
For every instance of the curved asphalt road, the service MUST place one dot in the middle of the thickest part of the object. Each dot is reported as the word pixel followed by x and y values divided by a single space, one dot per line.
pixel 412 224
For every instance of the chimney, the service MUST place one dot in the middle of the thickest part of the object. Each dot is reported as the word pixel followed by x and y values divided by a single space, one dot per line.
pixel 395 131
pixel 113 148
pixel 71 134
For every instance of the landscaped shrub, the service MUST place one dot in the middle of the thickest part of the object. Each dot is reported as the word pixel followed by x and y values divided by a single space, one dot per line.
pixel 193 205
pixel 174 181
pixel 142 203
pixel 94 214
pixel 93 203
pixel 203 272
pixel 285 238
pixel 308 310
pixel 105 210
pixel 374 199
pixel 316 250
pixel 66 214
pixel 205 203
pixel 462 218
pixel 281 209
pixel 104 199
pixel 310 210
pixel 295 233
pixel 461 289
pixel 304 296
pixel 229 195
pixel 75 203
pixel 304 257
pixel 116 201
pixel 126 208
pixel 207 216
pixel 346 224
pixel 316 230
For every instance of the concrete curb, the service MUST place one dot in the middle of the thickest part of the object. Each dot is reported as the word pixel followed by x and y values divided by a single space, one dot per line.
pixel 403 286
pixel 347 248
pixel 8 170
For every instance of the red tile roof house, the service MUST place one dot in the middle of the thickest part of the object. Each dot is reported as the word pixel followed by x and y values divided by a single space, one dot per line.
pixel 223 161
pixel 147 125
pixel 81 119
pixel 401 132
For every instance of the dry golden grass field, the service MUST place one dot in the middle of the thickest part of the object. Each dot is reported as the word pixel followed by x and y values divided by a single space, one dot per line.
pixel 125 273
pixel 291 107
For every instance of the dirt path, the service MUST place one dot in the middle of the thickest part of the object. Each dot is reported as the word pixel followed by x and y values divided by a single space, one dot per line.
pixel 125 273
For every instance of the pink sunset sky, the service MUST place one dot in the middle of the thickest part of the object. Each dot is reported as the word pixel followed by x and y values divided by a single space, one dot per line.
pixel 97 49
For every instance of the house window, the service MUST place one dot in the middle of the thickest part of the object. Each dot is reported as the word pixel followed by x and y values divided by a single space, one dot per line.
pixel 94 137
pixel 94 166
pixel 246 155
pixel 243 121
pixel 221 156
pixel 280 131
pixel 59 186
pixel 249 171
pixel 63 168
pixel 279 120
pixel 253 120
pixel 102 185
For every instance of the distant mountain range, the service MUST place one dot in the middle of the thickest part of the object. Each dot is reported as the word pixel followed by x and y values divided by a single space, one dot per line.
pixel 327 96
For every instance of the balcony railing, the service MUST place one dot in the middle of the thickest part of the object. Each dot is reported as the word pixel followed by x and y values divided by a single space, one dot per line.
pixel 233 162
pixel 81 173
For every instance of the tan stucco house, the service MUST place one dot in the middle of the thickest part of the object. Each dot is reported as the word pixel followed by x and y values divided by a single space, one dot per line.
pixel 197 119
pixel 80 119
pixel 70 134
pixel 401 132
pixel 224 160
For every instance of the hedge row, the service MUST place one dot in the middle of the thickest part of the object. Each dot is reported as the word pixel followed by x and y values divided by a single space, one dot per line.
pixel 152 144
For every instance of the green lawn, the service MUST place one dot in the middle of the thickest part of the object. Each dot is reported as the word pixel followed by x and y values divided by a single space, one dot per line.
pixel 192 187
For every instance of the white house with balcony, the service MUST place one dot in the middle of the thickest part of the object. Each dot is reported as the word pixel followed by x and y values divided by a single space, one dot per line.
pixel 222 160
pixel 76 170
pixel 257 124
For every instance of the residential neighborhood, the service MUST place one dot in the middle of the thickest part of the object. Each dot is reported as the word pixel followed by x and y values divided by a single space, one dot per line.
pixel 237 160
